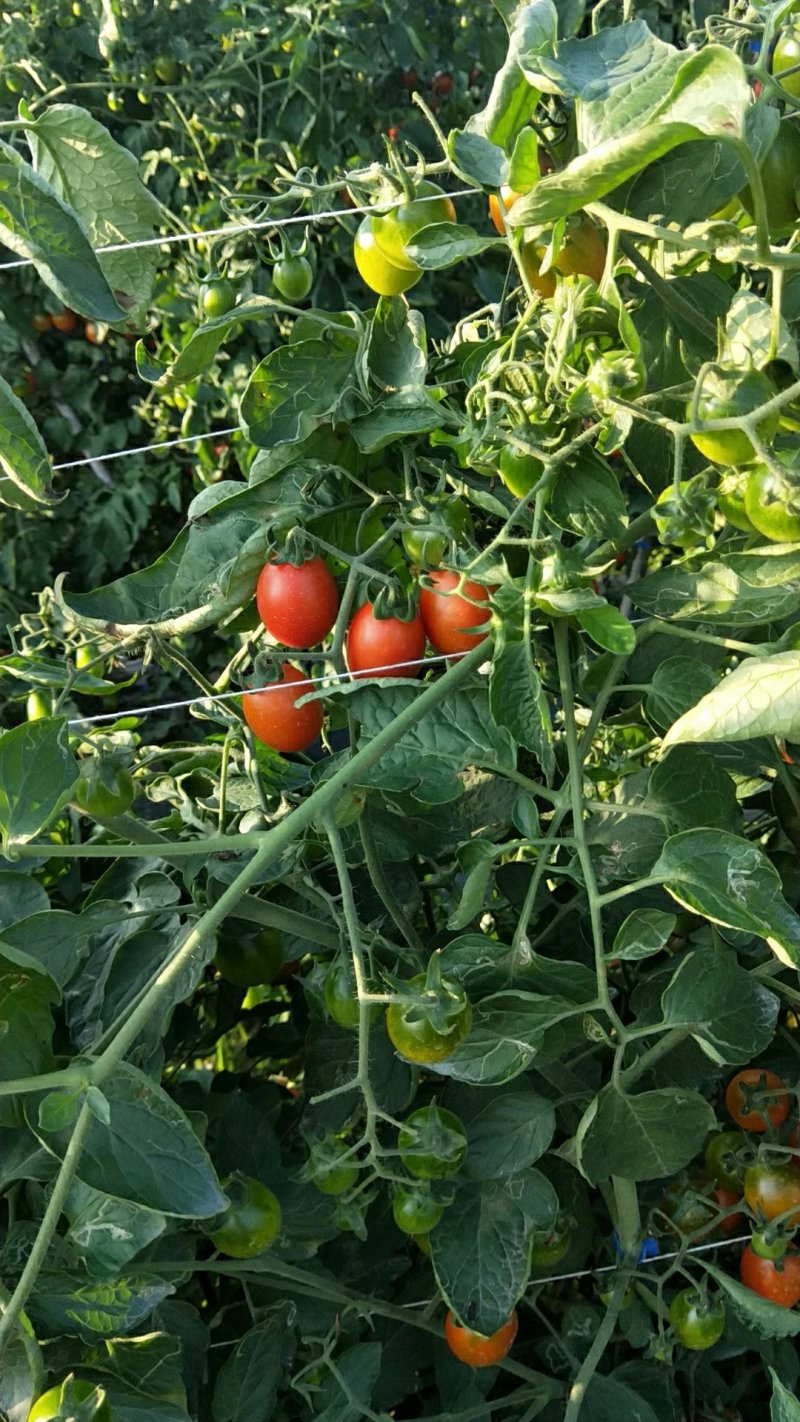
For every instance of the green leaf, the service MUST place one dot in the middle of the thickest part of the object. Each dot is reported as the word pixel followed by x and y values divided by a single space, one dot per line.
pixel 507 1133
pixel 642 1137
pixel 26 1021
pixel 149 1153
pixel 445 244
pixel 484 1282
pixel 47 671
pixel 506 1032
pixel 409 412
pixel 784 1405
pixel 760 697
pixel 644 932
pixel 344 1395
pixel 65 1303
pixel 730 1015
pixel 745 589
pixel 246 1385
pixel 100 180
pixel 609 628
pixel 38 224
pixel 518 701
pixel 677 683
pixel 731 882
pixel 476 861
pixel 587 500
pixel 24 462
pixel 690 788
pixel 201 347
pixel 641 98
pixel 296 387
pixel 19 1382
pixel 749 340
pixel 608 1400
pixel 106 1233
pixel 767 1319
pixel 37 776
pixel 59 1110
pixel 53 938
pixel 512 100
pixel 22 897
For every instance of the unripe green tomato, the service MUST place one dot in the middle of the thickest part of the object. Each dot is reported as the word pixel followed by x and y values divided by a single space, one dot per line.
pixel 335 1176
pixel 293 277
pixel 727 394
pixel 249 959
pixel 104 793
pixel 217 297
pixel 375 269
pixel 252 1221
pixel 84 655
pixel 38 706
pixel 61 1401
pixel 519 472
pixel 730 500
pixel 340 995
pixel 785 55
pixel 166 68
pixel 432 1143
pixel 416 1211
pixel 779 171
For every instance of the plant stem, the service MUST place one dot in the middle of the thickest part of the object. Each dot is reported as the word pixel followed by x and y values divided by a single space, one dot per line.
pixel 383 887
pixel 588 1368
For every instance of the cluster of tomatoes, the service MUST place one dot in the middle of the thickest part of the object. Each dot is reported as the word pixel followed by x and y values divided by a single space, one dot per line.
pixel 299 604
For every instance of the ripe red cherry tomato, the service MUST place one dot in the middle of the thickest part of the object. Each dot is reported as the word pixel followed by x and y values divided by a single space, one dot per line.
pixel 298 606
pixel 275 718
pixel 749 1117
pixel 380 643
pixel 476 1349
pixel 65 320
pixel 445 614
pixel 771 1190
pixel 441 84
pixel 777 1280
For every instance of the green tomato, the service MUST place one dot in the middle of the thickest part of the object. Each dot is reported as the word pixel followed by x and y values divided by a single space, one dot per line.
pixel 251 1222
pixel 217 297
pixel 104 790
pixel 730 500
pixel 71 1399
pixel 685 519
pixel 415 1210
pixel 618 375
pixel 432 1143
pixel 785 56
pixel 247 959
pixel 166 68
pixel 339 993
pixel 772 502
pixel 548 1246
pixel 115 102
pixel 723 396
pixel 38 706
pixel 414 1033
pixel 374 267
pixel 779 171
pixel 519 472
pixel 724 1161
pixel 393 230
pixel 698 1322
pixel 427 548
pixel 332 1169
pixel 293 277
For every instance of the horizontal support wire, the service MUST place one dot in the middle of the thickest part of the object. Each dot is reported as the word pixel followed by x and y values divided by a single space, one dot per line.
pixel 234 229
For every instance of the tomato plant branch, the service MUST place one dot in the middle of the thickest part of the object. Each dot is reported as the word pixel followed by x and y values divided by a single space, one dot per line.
pixel 602 1338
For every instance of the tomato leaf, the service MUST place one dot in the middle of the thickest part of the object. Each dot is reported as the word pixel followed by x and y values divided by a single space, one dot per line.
pixel 767 1319
pixel 760 697
pixel 676 685
pixel 64 1303
pixel 745 589
pixel 295 387
pixel 506 1033
pixel 609 628
pixel 642 1137
pixel 27 998
pixel 518 701
pixel 689 787
pixel 731 882
pixel 247 1383
pixel 586 499
pixel 533 28
pixel 25 468
pixel 730 1015
pixel 644 932
pixel 37 776
pixel 201 347
pixel 106 1233
pixel 506 1131
pixel 784 1405
pixel 445 244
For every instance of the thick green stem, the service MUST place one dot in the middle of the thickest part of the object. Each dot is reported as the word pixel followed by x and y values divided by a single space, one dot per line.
pixel 588 1368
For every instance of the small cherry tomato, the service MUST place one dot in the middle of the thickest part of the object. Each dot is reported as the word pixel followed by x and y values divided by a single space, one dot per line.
pixel 62 1401
pixel 530 256
pixel 333 1170
pixel 432 1143
pixel 479 1350
pixel 251 1222
pixel 341 996
pixel 374 268
pixel 519 472
pixel 297 605
pixel 698 1322
pixel 165 68
pixel 508 197
pixel 217 297
pixel 739 1094
pixel 727 394
pixel 583 251
pixel 415 1210
pixel 94 334
pixel 772 502
pixel 393 230
pixel 38 706
pixel 41 322
pixel 409 79
pixel 447 615
pixel 775 1279
pixel 786 55
pixel 730 500
pixel 428 1028
pixel 441 84
pixel 548 1246
pixel 384 646
pixel 293 277
pixel 249 959
pixel 772 1189
pixel 779 170
pixel 104 790
pixel 723 1160
pixel 275 718
pixel 727 1199
pixel 65 320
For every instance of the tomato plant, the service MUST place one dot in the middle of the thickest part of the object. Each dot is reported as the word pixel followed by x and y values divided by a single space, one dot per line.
pixel 476 1349
pixel 297 604
pixel 450 617
pixel 275 718
pixel 697 1321
pixel 385 646
pixel 756 1099
pixel 252 1221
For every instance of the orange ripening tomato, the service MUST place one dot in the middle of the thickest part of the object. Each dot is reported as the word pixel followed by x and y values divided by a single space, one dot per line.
pixel 65 320
pixel 531 255
pixel 477 1349
pixel 509 197
pixel 275 718
pixel 583 251
pixel 749 1117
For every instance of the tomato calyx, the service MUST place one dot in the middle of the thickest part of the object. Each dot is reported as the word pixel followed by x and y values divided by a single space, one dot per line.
pixel 331 1166
pixel 432 1143
pixel 769 1243
pixel 415 1208
pixel 429 1017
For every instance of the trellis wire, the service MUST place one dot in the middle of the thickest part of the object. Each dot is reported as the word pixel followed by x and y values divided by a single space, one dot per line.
pixel 146 448
pixel 233 229
pixel 311 681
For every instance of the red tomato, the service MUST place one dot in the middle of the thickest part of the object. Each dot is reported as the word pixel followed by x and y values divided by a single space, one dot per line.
pixel 726 1198
pixel 409 79
pixel 393 133
pixel 777 1280
pixel 441 84
pixel 65 320
pixel 772 1190
pixel 748 1116
pixel 275 718
pixel 298 606
pixel 374 643
pixel 446 614
pixel 476 1349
